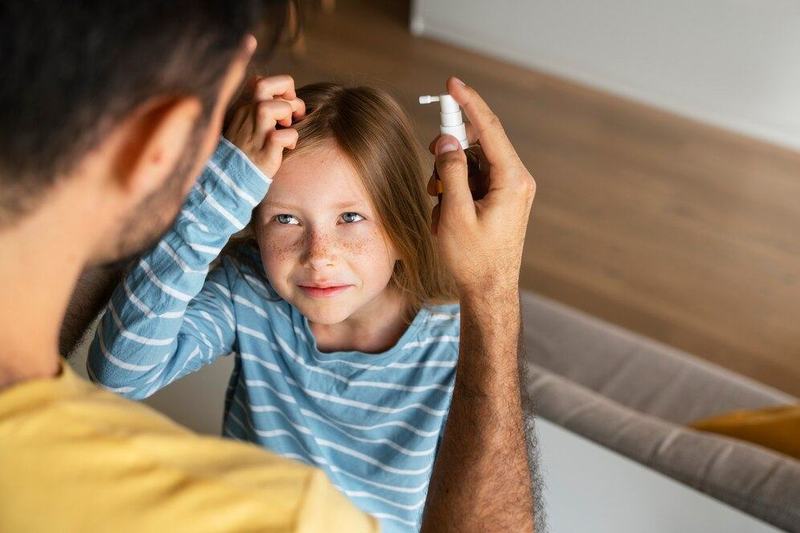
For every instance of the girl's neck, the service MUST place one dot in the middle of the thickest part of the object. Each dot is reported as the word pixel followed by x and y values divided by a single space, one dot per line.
pixel 374 328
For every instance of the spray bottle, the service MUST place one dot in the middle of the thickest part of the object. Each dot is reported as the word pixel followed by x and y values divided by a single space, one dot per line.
pixel 452 123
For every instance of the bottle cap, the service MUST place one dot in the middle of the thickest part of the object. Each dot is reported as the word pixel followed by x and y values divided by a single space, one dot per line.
pixel 452 123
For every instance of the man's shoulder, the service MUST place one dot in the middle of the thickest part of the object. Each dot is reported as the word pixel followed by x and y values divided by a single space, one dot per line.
pixel 94 459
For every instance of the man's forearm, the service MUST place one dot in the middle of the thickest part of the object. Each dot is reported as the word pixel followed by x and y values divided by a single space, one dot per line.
pixel 91 294
pixel 481 480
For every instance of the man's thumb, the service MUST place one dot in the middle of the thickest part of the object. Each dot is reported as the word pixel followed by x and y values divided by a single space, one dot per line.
pixel 451 166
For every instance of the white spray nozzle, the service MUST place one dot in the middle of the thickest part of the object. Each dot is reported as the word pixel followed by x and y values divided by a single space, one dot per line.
pixel 452 123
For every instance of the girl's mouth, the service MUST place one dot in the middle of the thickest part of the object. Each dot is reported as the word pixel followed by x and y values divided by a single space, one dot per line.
pixel 314 291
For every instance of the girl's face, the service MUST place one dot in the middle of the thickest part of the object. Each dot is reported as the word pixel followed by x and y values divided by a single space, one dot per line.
pixel 322 245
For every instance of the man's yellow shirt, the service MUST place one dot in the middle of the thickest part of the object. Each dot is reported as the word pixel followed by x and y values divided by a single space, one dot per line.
pixel 76 458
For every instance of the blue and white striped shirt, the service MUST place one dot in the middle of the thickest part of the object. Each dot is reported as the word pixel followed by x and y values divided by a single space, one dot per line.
pixel 370 421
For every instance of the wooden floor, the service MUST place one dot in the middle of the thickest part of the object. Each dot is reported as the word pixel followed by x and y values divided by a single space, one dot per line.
pixel 673 229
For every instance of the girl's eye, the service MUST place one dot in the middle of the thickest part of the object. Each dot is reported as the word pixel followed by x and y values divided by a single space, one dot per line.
pixel 349 218
pixel 286 219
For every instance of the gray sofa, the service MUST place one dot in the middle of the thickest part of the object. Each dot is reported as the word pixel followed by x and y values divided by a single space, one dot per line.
pixel 635 396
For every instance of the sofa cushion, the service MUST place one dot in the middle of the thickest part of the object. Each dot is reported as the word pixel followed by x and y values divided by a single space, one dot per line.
pixel 755 480
pixel 639 373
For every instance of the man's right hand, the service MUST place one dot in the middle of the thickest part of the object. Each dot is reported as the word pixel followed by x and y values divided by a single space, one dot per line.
pixel 267 102
pixel 481 480
pixel 481 241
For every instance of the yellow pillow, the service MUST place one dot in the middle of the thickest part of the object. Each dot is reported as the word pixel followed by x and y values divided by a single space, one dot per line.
pixel 777 428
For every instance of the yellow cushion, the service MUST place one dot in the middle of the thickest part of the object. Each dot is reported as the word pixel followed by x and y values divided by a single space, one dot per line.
pixel 777 428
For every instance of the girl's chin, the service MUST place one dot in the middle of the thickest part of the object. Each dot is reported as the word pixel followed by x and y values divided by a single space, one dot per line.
pixel 317 315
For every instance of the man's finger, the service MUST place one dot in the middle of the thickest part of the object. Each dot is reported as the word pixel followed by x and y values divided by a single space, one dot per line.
pixel 451 166
pixel 472 138
pixel 485 125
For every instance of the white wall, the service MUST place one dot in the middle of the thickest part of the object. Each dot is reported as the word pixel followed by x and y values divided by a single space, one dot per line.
pixel 732 63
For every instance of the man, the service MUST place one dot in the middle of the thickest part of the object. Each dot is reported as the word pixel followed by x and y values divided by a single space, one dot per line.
pixel 107 112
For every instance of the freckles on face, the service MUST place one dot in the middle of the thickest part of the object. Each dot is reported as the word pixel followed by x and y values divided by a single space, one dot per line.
pixel 367 244
pixel 366 247
pixel 317 225
pixel 363 245
pixel 279 249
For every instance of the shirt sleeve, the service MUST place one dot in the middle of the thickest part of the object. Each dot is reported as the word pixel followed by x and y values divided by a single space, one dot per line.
pixel 169 316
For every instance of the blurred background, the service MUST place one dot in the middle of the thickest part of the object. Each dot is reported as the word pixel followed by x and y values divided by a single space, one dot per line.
pixel 663 138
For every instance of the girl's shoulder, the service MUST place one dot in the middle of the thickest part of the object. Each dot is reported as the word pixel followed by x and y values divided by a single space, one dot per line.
pixel 449 311
pixel 437 334
pixel 442 317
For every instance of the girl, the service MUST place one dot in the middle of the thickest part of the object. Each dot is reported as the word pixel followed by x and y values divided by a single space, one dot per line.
pixel 332 300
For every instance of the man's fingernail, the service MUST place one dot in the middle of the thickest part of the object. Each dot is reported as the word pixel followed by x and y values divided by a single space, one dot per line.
pixel 444 146
pixel 459 81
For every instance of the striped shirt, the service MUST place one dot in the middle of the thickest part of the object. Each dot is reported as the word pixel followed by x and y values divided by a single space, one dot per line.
pixel 370 421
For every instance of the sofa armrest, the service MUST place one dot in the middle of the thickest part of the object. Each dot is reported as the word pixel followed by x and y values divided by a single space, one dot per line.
pixel 758 481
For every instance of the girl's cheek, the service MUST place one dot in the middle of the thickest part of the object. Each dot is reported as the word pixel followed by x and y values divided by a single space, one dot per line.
pixel 358 246
pixel 277 249
pixel 368 243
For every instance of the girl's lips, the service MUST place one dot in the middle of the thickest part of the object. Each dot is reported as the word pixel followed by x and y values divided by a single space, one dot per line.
pixel 323 292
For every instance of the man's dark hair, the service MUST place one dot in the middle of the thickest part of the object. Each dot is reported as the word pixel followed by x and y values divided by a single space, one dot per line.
pixel 69 70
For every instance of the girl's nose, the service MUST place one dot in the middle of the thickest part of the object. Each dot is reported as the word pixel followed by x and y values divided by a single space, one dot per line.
pixel 320 252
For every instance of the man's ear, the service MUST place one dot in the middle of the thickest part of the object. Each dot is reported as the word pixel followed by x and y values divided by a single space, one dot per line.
pixel 152 141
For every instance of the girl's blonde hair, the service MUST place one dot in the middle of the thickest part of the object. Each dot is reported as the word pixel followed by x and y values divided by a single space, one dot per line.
pixel 374 133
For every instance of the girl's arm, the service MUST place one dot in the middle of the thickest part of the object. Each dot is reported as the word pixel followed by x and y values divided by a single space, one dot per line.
pixel 169 316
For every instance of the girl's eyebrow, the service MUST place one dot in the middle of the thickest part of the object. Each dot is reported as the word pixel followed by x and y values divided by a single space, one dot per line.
pixel 278 205
pixel 348 205
pixel 340 205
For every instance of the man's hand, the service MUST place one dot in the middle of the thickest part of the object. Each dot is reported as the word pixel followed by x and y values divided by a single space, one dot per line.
pixel 481 480
pixel 261 125
pixel 481 241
